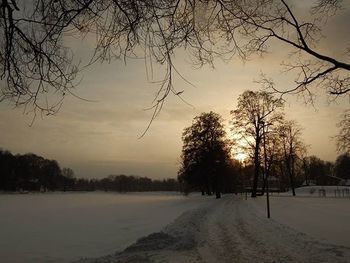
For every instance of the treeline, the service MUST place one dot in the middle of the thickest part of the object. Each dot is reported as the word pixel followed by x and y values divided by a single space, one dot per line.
pixel 308 170
pixel 271 144
pixel 315 170
pixel 30 172
pixel 124 183
pixel 207 165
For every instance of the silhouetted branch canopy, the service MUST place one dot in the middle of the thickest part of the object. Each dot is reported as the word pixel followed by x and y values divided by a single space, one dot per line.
pixel 37 61
pixel 343 137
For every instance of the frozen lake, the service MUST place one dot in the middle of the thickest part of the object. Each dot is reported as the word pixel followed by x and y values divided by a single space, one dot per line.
pixel 61 227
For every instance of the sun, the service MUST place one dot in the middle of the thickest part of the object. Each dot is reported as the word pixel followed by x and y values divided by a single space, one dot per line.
pixel 239 147
pixel 241 157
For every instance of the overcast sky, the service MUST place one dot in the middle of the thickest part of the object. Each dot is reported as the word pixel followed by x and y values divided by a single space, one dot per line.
pixel 100 138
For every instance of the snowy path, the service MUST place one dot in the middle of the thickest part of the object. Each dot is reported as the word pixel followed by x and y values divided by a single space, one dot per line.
pixel 228 230
pixel 240 234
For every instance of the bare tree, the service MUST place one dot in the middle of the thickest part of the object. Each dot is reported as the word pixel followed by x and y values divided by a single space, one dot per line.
pixel 343 137
pixel 272 151
pixel 289 134
pixel 35 60
pixel 255 113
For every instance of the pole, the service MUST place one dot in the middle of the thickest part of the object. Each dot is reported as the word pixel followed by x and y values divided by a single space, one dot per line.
pixel 266 175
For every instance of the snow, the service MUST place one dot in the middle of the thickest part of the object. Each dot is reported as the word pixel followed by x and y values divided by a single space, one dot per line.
pixel 330 191
pixel 236 230
pixel 61 227
pixel 306 228
pixel 327 219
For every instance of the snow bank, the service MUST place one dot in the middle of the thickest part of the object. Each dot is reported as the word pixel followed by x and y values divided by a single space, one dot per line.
pixel 175 242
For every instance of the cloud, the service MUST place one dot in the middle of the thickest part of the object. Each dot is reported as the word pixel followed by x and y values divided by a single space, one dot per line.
pixel 98 138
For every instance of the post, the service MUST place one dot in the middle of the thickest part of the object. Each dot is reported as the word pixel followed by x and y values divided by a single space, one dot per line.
pixel 266 174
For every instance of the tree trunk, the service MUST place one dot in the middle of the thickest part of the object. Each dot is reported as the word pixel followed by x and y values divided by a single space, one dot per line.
pixel 292 176
pixel 292 184
pixel 209 190
pixel 256 169
pixel 263 187
pixel 290 169
pixel 207 186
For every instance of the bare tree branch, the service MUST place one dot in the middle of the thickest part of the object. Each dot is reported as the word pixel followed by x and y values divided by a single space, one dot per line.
pixel 343 137
pixel 36 66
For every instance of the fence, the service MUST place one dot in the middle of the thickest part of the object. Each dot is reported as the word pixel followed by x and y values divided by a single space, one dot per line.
pixel 337 193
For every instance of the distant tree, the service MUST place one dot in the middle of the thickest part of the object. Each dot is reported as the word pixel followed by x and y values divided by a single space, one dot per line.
pixel 32 172
pixel 255 111
pixel 127 183
pixel 68 172
pixel 68 178
pixel 7 171
pixel 205 153
pixel 145 184
pixel 293 148
pixel 104 184
pixel 53 175
pixel 29 171
pixel 343 137
pixel 342 166
pixel 316 169
pixel 82 184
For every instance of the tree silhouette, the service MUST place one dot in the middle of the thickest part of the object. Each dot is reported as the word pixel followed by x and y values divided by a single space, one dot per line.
pixel 270 152
pixel 36 60
pixel 292 148
pixel 8 177
pixel 342 166
pixel 343 137
pixel 205 154
pixel 29 172
pixel 69 180
pixel 255 111
pixel 316 169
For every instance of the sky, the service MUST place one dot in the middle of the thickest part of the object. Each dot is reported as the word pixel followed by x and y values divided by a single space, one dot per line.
pixel 99 138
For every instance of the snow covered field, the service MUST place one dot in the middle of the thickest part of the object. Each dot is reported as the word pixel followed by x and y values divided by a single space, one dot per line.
pixel 61 227
pixel 327 219
pixel 302 229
